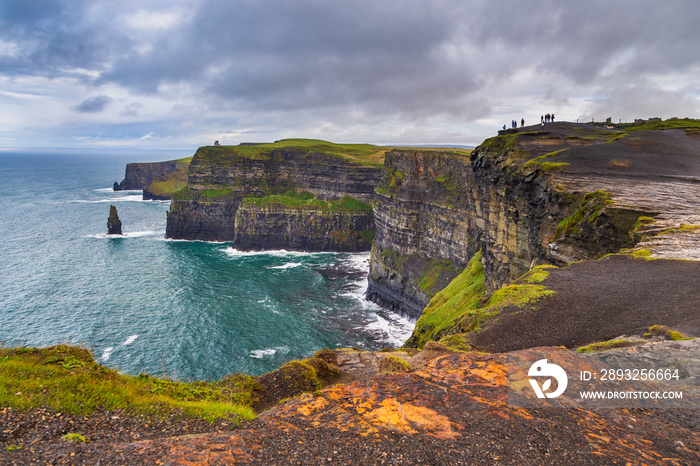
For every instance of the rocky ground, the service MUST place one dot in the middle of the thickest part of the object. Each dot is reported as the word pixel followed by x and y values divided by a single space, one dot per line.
pixel 599 300
pixel 447 408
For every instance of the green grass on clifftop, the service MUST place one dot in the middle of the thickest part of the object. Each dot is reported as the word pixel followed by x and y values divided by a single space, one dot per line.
pixel 306 201
pixel 68 380
pixel 364 154
pixel 165 185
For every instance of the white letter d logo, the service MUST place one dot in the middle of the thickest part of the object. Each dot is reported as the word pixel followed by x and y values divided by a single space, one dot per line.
pixel 544 369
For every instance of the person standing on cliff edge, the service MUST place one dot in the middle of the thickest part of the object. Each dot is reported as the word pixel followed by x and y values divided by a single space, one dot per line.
pixel 522 122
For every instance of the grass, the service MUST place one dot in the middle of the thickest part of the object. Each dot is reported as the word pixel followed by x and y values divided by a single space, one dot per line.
pixel 606 345
pixel 460 296
pixel 213 193
pixel 165 185
pixel 462 307
pixel 538 162
pixel 68 380
pixel 363 154
pixel 590 207
pixel 538 274
pixel 304 202
pixel 671 123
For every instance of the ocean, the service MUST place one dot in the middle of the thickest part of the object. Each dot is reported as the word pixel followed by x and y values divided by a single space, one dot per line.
pixel 144 304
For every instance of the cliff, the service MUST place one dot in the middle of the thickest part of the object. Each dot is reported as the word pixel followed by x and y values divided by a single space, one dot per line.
pixel 220 177
pixel 158 180
pixel 424 231
pixel 298 223
pixel 551 197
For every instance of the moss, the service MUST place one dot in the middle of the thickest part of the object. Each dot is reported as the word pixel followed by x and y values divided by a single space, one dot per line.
pixel 606 345
pixel 551 166
pixel 457 342
pixel 538 274
pixel 590 207
pixel 682 229
pixel 393 364
pixel 392 181
pixel 641 222
pixel 518 295
pixel 428 282
pixel 667 333
pixel 71 437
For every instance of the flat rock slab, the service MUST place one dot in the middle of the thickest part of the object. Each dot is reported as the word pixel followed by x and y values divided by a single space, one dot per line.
pixel 452 411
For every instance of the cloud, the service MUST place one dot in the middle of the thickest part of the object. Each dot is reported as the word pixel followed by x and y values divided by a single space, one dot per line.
pixel 93 104
pixel 377 69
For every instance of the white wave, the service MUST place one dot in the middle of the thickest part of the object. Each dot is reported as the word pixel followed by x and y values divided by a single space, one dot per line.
pixel 107 353
pixel 261 353
pixel 130 340
pixel 128 198
pixel 134 234
pixel 177 240
pixel 288 265
pixel 234 253
pixel 111 190
pixel 357 261
pixel 391 329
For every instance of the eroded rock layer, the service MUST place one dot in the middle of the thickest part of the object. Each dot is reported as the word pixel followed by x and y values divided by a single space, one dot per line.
pixel 310 229
pixel 533 196
pixel 220 177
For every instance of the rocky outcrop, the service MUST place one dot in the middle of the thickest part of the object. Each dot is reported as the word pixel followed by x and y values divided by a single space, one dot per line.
pixel 272 225
pixel 140 175
pixel 114 225
pixel 530 197
pixel 425 236
pixel 221 176
pixel 456 409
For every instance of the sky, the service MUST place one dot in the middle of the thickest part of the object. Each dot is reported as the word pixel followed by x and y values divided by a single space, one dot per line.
pixel 178 74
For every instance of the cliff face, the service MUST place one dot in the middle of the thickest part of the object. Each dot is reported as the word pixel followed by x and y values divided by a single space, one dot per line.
pixel 524 198
pixel 140 175
pixel 549 198
pixel 424 233
pixel 275 226
pixel 221 177
pixel 158 180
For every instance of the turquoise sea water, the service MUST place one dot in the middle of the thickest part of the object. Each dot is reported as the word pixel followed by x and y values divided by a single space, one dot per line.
pixel 204 309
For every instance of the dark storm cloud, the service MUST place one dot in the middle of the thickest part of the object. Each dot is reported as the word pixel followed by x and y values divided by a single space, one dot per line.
pixel 308 54
pixel 351 62
pixel 51 35
pixel 93 104
pixel 405 56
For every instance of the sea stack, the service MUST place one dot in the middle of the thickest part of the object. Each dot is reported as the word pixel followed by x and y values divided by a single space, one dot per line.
pixel 114 225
